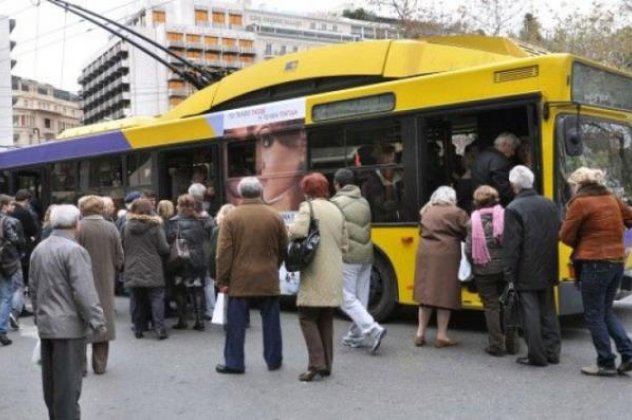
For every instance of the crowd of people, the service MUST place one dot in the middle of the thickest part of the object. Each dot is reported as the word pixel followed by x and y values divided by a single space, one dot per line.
pixel 165 253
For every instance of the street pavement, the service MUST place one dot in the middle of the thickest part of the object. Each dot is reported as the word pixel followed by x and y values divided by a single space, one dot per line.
pixel 175 379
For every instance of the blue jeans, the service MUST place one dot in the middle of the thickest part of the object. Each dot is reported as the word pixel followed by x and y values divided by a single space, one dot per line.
pixel 6 293
pixel 599 283
pixel 237 318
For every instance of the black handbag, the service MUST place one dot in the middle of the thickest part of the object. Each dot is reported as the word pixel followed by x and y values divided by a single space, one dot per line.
pixel 301 251
pixel 510 302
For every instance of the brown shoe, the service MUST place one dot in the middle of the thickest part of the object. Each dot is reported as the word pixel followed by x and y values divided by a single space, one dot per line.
pixel 439 343
pixel 420 341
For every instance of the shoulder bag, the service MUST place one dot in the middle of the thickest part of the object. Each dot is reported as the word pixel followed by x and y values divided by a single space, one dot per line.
pixel 301 251
pixel 179 252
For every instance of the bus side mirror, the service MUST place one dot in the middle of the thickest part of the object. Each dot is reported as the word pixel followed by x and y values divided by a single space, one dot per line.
pixel 573 142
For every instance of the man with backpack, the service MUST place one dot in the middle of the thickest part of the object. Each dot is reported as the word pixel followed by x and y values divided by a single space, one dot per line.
pixel 10 265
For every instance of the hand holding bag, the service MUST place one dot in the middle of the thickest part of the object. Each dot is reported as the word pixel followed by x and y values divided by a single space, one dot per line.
pixel 219 312
pixel 301 251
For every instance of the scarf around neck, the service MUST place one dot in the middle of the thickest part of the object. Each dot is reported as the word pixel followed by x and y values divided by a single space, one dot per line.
pixel 480 253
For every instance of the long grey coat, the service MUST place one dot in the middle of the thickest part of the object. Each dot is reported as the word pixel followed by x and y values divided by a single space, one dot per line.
pixel 65 302
pixel 321 281
pixel 102 241
pixel 438 257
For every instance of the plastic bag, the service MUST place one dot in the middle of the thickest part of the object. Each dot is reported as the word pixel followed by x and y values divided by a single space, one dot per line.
pixel 219 312
pixel 36 357
pixel 465 268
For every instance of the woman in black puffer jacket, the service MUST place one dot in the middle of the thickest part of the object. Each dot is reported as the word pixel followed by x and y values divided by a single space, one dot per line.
pixel 190 276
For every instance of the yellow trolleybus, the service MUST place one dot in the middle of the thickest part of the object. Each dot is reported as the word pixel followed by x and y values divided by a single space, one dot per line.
pixel 404 115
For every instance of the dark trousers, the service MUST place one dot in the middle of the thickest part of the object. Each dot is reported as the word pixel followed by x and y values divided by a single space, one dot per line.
pixel 141 297
pixel 599 283
pixel 317 324
pixel 237 316
pixel 540 325
pixel 182 293
pixel 490 287
pixel 61 377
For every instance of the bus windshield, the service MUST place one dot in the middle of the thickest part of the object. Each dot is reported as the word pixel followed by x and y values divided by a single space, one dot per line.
pixel 600 144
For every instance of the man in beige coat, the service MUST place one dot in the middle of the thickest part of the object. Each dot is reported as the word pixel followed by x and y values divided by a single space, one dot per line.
pixel 102 241
pixel 251 247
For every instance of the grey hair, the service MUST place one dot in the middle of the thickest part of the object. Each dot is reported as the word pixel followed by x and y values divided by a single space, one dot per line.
pixel 507 137
pixel 197 190
pixel 64 216
pixel 250 187
pixel 443 195
pixel 521 177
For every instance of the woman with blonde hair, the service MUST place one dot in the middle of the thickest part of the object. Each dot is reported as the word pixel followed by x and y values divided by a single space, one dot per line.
pixel 483 247
pixel 442 228
pixel 165 210
pixel 209 289
pixel 594 227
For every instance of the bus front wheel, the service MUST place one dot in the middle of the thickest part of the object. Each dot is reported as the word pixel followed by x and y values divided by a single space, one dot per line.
pixel 383 293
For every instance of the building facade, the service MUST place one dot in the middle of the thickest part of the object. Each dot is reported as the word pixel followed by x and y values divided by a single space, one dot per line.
pixel 41 111
pixel 121 81
pixel 6 64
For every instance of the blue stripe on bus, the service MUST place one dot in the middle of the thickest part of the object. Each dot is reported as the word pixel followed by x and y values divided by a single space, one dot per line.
pixel 53 151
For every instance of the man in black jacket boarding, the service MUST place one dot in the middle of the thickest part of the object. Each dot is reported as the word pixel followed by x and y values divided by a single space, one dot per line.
pixel 530 250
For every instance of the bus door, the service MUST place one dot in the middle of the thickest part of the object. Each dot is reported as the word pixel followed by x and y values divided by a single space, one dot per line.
pixel 32 180
pixel 181 167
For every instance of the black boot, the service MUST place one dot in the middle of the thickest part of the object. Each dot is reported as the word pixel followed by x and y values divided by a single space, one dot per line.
pixel 4 340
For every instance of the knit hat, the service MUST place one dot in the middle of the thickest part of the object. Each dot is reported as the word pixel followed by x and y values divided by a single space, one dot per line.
pixel 131 196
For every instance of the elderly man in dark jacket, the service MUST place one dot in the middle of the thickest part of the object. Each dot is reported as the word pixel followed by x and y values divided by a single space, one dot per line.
pixel 251 247
pixel 530 261
pixel 66 305
pixel 492 166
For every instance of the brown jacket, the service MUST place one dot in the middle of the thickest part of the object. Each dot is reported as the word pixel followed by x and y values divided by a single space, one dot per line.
pixel 102 241
pixel 251 247
pixel 595 223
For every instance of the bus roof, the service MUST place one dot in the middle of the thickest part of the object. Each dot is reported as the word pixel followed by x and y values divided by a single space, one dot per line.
pixel 104 127
pixel 371 60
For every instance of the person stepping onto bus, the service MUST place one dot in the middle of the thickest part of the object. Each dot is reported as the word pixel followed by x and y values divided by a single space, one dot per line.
pixel 594 227
pixel 530 249
pixel 492 166
pixel 357 263
pixel 442 228
pixel 483 249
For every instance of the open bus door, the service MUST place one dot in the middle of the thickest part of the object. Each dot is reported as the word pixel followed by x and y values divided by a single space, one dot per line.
pixel 32 180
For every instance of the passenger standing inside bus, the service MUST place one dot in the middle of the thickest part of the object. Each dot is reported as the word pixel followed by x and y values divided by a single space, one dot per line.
pixel 594 226
pixel 492 166
pixel 190 277
pixel 357 263
pixel 251 247
pixel 144 245
pixel 320 289
pixel 442 228
pixel 483 247
pixel 530 250
pixel 383 187
pixel 102 241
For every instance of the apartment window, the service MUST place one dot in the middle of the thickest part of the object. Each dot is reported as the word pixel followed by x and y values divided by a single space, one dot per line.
pixel 219 17
pixel 312 25
pixel 235 19
pixel 16 138
pixel 323 26
pixel 201 16
pixel 295 48
pixel 175 36
pixel 210 40
pixel 174 101
pixel 229 42
pixel 47 122
pixel 283 49
pixel 176 84
pixel 268 50
pixel 25 88
pixel 16 121
pixel 159 16
pixel 211 56
pixel 193 38
pixel 245 43
pixel 335 28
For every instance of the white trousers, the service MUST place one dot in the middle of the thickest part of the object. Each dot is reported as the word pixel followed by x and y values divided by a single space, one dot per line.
pixel 356 286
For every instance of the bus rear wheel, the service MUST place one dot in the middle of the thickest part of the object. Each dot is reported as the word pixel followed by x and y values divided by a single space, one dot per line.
pixel 383 292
